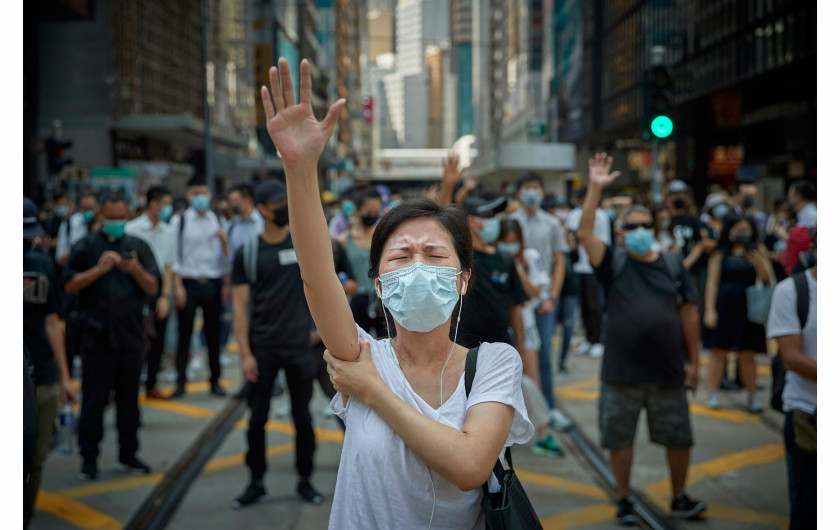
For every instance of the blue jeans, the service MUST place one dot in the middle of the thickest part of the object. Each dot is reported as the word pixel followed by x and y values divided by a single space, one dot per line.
pixel 802 481
pixel 566 315
pixel 545 325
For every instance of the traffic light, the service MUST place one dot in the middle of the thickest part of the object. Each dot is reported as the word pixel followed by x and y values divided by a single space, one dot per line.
pixel 659 101
pixel 55 154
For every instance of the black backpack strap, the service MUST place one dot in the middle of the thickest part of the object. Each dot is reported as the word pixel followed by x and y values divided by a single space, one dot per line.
pixel 469 369
pixel 183 219
pixel 803 300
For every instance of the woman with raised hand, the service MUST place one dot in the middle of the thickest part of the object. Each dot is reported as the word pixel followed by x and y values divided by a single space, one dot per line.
pixel 417 449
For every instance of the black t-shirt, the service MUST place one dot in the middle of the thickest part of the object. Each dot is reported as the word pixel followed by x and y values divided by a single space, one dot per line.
pixel 644 341
pixel 38 302
pixel 686 232
pixel 279 315
pixel 113 304
pixel 485 316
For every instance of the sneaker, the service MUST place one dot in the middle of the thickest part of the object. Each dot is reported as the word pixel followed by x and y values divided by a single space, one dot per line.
pixel 180 390
pixel 625 515
pixel 133 465
pixel 216 390
pixel 307 493
pixel 559 421
pixel 548 447
pixel 154 393
pixel 284 408
pixel 685 507
pixel 89 470
pixel 754 403
pixel 583 348
pixel 254 493
pixel 713 400
pixel 596 351
pixel 224 360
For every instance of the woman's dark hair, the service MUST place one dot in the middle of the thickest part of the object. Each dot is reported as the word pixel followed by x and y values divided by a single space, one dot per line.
pixel 511 225
pixel 725 245
pixel 451 217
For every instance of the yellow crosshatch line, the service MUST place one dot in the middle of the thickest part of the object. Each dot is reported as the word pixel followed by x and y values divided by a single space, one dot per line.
pixel 61 503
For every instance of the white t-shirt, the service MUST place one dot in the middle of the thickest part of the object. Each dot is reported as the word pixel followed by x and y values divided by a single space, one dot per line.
pixel 382 482
pixel 800 393
pixel 538 276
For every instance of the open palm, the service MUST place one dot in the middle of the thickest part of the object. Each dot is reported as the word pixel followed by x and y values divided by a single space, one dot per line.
pixel 599 170
pixel 298 136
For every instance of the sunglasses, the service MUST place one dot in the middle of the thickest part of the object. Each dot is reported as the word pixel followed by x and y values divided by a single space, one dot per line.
pixel 628 227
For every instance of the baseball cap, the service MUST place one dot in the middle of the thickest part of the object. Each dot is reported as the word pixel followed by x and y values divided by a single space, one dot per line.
pixel 485 207
pixel 269 191
pixel 713 199
pixel 677 186
pixel 31 227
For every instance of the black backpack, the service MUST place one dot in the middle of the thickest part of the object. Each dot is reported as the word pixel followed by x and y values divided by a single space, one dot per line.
pixel 777 367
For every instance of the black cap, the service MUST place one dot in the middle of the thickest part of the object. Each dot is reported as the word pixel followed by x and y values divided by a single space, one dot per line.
pixel 269 191
pixel 31 227
pixel 483 207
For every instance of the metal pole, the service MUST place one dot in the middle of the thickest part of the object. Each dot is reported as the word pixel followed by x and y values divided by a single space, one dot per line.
pixel 656 174
pixel 208 139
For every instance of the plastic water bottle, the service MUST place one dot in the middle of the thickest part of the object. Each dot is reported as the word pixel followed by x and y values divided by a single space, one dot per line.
pixel 65 430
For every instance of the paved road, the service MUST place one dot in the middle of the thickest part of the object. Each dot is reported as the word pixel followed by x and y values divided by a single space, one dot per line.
pixel 737 468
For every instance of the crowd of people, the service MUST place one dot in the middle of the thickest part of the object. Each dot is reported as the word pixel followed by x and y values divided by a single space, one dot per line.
pixel 388 295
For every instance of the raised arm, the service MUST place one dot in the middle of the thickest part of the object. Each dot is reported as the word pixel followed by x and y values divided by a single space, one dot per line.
pixel 599 179
pixel 300 138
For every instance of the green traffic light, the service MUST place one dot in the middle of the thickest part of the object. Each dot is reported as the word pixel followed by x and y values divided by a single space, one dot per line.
pixel 662 126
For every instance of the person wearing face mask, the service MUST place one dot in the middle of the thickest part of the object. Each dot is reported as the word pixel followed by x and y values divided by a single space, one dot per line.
pixel 739 260
pixel 687 228
pixel 152 228
pixel 75 227
pixel 543 232
pixel 746 195
pixel 663 235
pixel 61 210
pixel 114 275
pixel 201 279
pixel 272 323
pixel 417 450
pixel 645 351
pixel 367 312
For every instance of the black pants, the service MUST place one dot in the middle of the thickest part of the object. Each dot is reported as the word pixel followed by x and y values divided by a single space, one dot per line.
pixel 590 307
pixel 300 373
pixel 802 481
pixel 206 294
pixel 323 377
pixel 155 351
pixel 103 370
pixel 367 313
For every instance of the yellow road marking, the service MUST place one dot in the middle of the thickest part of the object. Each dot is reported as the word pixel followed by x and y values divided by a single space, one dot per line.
pixel 569 486
pixel 121 484
pixel 178 408
pixel 321 435
pixel 747 516
pixel 74 513
pixel 728 415
pixel 594 513
pixel 578 390
pixel 239 458
pixel 661 491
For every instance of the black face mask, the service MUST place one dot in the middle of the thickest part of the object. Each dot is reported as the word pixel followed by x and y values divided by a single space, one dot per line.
pixel 369 220
pixel 679 204
pixel 281 216
pixel 748 202
pixel 235 209
pixel 743 239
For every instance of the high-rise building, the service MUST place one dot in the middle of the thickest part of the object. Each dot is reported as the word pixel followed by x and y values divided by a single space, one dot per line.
pixel 350 22
pixel 461 23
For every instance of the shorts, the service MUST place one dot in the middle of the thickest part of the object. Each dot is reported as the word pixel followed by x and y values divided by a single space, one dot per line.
pixel 667 415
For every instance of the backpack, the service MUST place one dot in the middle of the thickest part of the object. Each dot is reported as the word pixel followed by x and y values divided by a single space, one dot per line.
pixel 673 262
pixel 803 301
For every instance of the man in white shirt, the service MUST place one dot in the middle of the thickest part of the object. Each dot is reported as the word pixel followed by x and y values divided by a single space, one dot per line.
pixel 795 327
pixel 802 196
pixel 73 229
pixel 590 289
pixel 152 228
pixel 200 280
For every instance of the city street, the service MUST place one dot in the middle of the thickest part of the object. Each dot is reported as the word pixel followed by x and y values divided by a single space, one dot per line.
pixel 738 467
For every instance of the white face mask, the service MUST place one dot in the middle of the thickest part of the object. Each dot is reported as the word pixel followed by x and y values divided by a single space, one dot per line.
pixel 420 297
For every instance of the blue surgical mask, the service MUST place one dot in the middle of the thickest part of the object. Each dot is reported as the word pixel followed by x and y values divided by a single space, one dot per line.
pixel 115 229
pixel 88 215
pixel 61 211
pixel 639 241
pixel 394 204
pixel 348 207
pixel 165 213
pixel 720 210
pixel 420 297
pixel 490 229
pixel 200 202
pixel 509 248
pixel 531 197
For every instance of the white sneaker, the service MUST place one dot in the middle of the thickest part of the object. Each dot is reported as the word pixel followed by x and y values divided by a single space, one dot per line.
pixel 224 360
pixel 754 403
pixel 559 421
pixel 284 408
pixel 583 348
pixel 713 400
pixel 596 351
pixel 196 363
